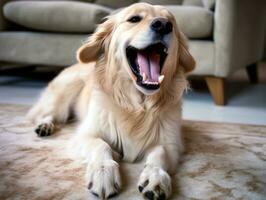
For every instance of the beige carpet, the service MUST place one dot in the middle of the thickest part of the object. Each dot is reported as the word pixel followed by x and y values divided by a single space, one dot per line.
pixel 223 161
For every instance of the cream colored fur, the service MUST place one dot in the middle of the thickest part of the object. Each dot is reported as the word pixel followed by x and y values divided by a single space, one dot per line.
pixel 116 118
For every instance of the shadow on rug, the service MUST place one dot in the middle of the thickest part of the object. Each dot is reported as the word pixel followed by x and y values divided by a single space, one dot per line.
pixel 222 161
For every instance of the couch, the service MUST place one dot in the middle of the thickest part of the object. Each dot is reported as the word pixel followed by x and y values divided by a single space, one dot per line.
pixel 224 35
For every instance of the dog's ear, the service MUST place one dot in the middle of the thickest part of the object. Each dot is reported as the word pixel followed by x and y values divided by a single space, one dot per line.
pixel 185 58
pixel 96 42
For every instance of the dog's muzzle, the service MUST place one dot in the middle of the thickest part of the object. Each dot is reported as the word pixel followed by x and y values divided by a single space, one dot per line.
pixel 147 63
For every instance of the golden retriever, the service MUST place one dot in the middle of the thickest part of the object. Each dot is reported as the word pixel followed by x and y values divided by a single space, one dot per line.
pixel 126 92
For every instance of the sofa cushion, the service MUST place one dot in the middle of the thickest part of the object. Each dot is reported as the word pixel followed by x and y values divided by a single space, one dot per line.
pixel 40 48
pixel 116 3
pixel 164 2
pixel 193 3
pixel 194 22
pixel 59 16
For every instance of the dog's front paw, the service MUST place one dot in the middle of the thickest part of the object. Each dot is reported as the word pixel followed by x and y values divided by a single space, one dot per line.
pixel 104 179
pixel 45 129
pixel 155 183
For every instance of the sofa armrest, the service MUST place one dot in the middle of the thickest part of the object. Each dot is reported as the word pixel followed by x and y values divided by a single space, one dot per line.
pixel 238 34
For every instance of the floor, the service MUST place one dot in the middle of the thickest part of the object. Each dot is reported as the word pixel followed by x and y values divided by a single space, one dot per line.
pixel 219 163
pixel 246 102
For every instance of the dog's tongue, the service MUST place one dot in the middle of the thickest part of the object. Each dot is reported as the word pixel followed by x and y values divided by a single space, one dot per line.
pixel 149 64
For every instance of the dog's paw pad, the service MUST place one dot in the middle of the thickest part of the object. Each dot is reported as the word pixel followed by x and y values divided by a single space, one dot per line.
pixel 154 184
pixel 112 195
pixel 155 194
pixel 149 195
pixel 45 129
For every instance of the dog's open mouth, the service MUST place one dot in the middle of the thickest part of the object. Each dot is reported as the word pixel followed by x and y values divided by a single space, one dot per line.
pixel 146 64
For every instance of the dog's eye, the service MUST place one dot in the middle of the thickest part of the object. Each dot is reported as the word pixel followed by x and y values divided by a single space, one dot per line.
pixel 134 19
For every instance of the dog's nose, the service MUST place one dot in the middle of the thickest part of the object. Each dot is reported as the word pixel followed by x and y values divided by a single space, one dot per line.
pixel 161 26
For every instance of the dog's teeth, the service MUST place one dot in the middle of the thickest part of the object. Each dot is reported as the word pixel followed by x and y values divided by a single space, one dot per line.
pixel 144 76
pixel 151 83
pixel 161 78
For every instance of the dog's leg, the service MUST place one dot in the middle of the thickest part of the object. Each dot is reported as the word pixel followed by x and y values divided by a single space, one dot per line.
pixel 54 106
pixel 103 176
pixel 43 113
pixel 155 181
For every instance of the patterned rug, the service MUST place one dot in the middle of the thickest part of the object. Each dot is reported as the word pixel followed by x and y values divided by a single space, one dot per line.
pixel 222 161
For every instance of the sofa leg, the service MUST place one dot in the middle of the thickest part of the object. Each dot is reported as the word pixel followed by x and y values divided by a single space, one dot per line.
pixel 252 71
pixel 216 88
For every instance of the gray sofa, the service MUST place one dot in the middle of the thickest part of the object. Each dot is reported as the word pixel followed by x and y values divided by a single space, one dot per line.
pixel 224 35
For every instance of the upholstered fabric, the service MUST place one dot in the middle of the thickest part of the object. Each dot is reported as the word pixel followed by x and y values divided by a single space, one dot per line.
pixel 40 48
pixel 238 34
pixel 89 1
pixel 203 52
pixel 195 22
pixel 115 3
pixel 164 2
pixel 193 3
pixel 57 16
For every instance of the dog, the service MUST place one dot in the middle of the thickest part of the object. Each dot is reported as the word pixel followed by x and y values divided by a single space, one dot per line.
pixel 126 92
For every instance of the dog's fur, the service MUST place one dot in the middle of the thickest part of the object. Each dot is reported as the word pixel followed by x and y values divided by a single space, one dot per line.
pixel 117 117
